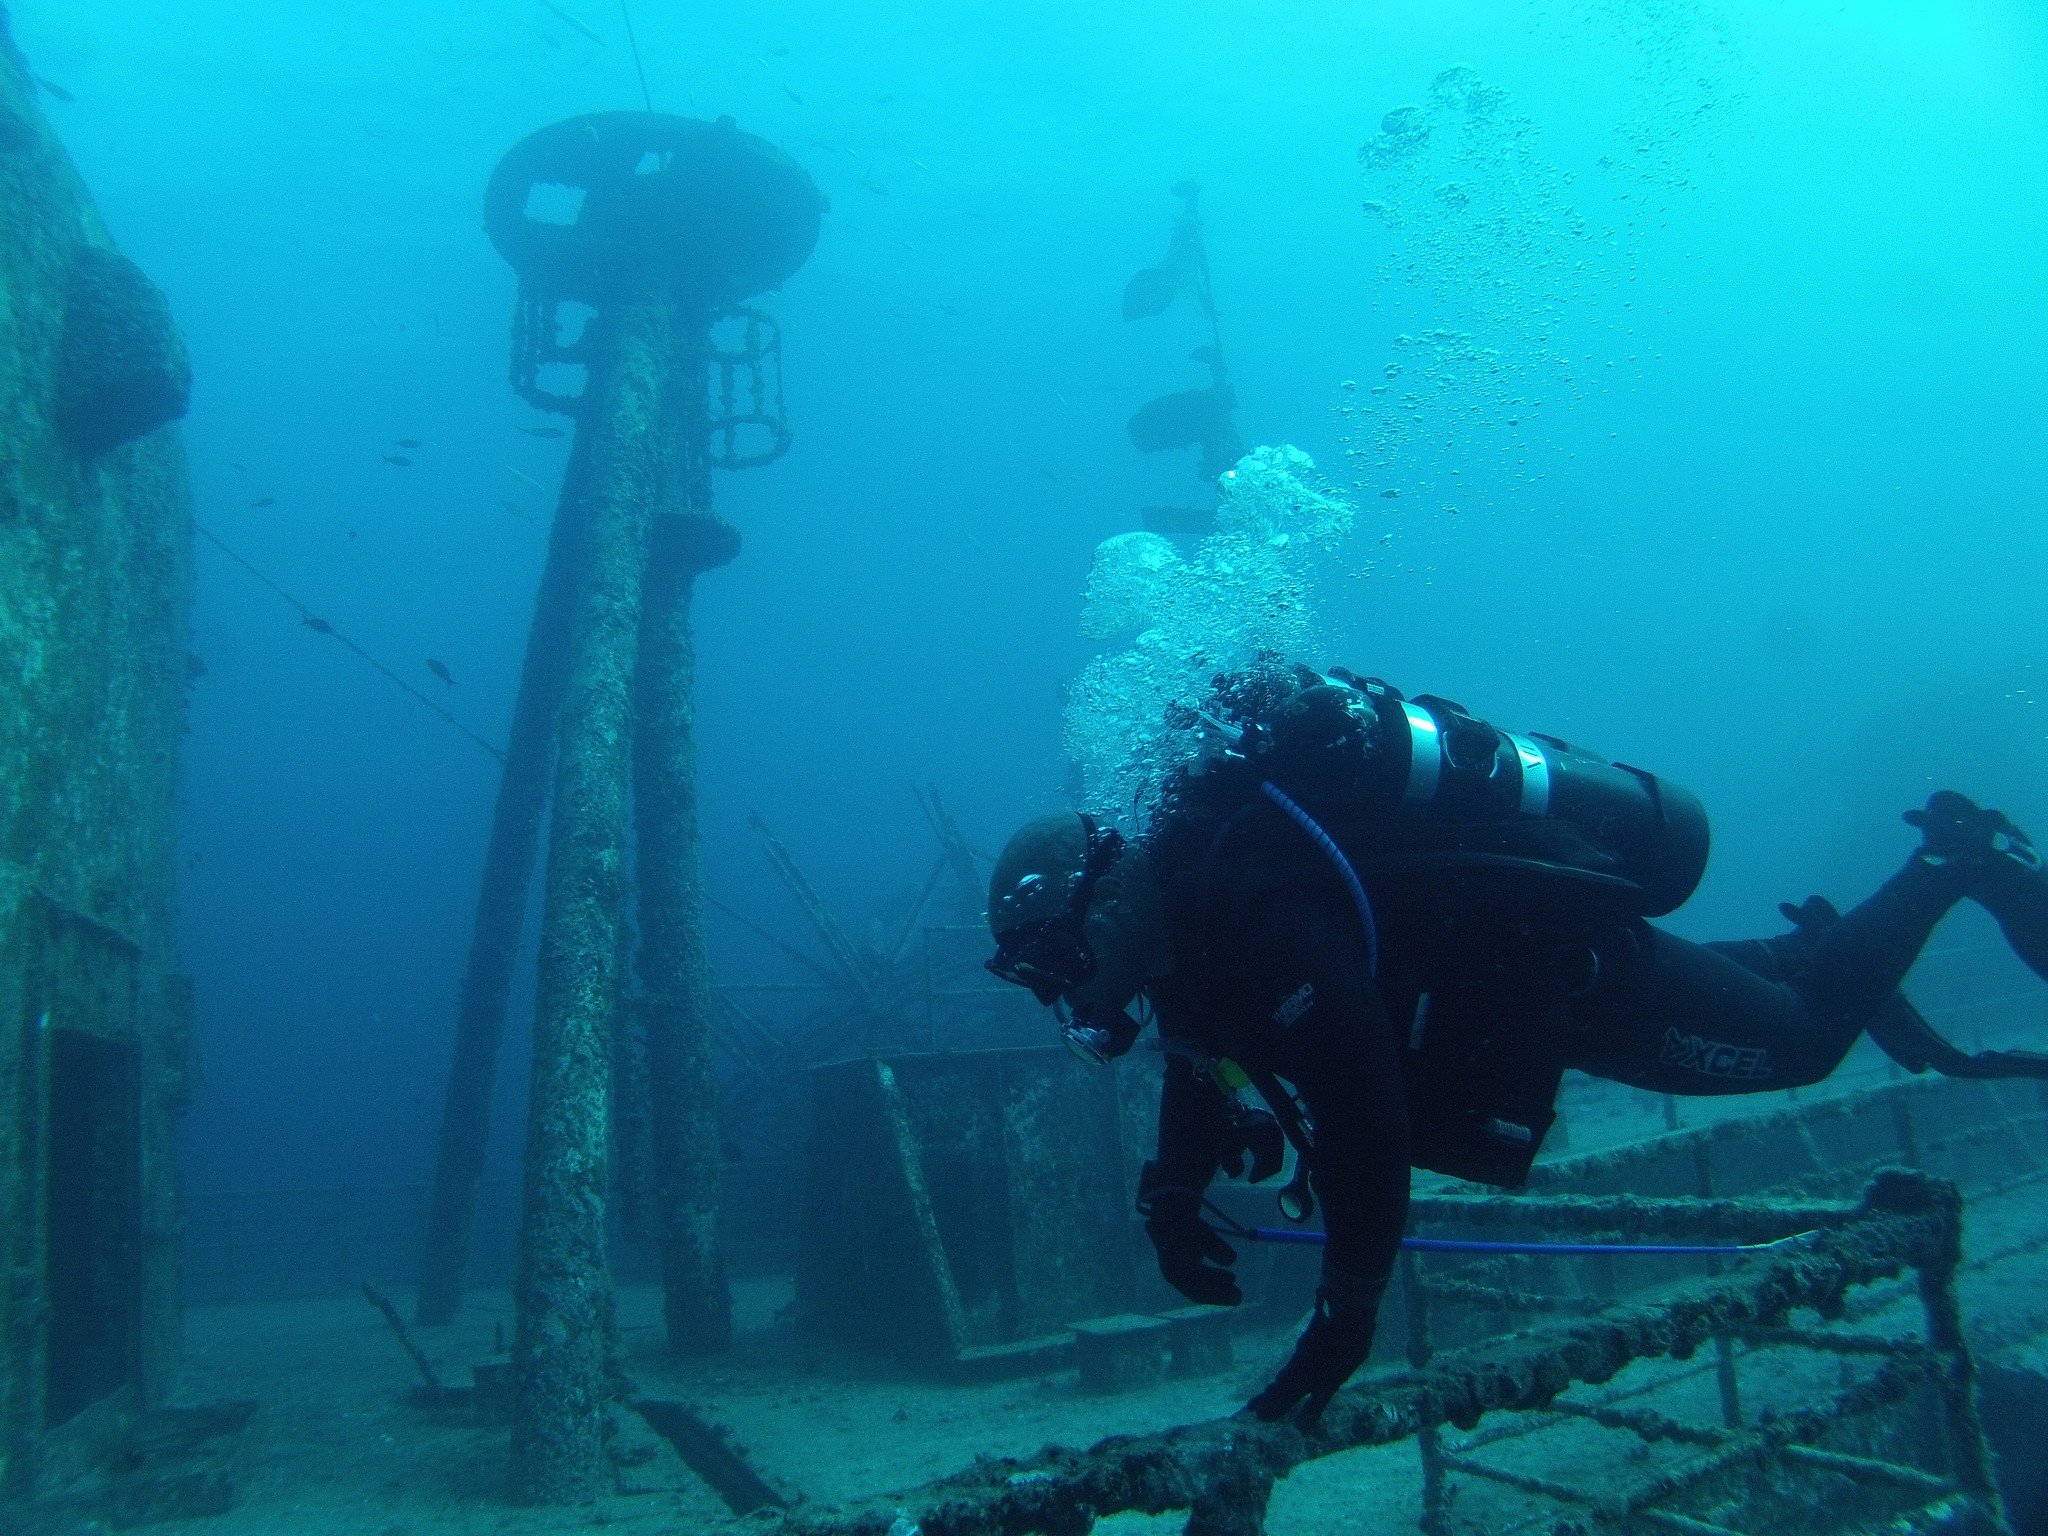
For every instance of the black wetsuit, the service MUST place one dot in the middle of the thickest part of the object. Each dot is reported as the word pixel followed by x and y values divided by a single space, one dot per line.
pixel 1486 991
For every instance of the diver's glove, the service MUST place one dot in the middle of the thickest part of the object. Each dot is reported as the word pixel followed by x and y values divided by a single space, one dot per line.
pixel 1335 1344
pixel 1192 1254
pixel 1256 1147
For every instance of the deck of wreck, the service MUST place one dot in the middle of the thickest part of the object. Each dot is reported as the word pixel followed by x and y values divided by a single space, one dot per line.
pixel 1811 1388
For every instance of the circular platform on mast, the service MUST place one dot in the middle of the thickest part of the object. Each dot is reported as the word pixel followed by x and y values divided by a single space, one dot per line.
pixel 595 208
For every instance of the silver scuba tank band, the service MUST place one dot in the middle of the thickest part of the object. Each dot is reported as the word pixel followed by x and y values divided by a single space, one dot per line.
pixel 1535 775
pixel 1425 754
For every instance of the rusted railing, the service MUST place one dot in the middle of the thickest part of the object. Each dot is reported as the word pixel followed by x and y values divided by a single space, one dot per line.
pixel 1223 1472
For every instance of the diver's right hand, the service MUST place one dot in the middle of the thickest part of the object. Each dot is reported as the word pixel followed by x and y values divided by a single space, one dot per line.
pixel 1193 1256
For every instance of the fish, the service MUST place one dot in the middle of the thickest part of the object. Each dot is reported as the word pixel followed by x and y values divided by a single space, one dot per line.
pixel 318 625
pixel 194 667
pixel 264 501
pixel 440 670
pixel 869 183
pixel 522 474
pixel 544 432
pixel 792 95
pixel 55 89
pixel 399 459
pixel 518 511
pixel 407 443
pixel 351 533
pixel 567 20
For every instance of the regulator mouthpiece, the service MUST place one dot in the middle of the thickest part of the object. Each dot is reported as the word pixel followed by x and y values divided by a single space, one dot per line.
pixel 1096 1043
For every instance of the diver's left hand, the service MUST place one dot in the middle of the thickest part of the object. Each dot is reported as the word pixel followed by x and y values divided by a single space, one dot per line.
pixel 1332 1347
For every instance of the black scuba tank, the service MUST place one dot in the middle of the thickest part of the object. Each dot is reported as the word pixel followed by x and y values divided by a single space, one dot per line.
pixel 1454 790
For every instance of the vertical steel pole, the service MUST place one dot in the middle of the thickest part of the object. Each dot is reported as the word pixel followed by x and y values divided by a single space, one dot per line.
pixel 564 1343
pixel 675 973
pixel 500 922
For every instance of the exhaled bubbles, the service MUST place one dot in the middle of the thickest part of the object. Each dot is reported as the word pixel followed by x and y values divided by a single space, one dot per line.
pixel 1243 593
pixel 1481 222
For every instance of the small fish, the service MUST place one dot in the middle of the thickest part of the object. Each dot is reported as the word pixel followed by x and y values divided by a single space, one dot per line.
pixel 194 667
pixel 792 95
pixel 523 475
pixel 239 468
pixel 868 183
pixel 407 443
pixel 440 670
pixel 518 511
pixel 544 431
pixel 375 133
pixel 351 533
pixel 318 625
pixel 779 51
pixel 1390 494
pixel 263 501
pixel 399 459
pixel 567 20
pixel 192 860
pixel 55 89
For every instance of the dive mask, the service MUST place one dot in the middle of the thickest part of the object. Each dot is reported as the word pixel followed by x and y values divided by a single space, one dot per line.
pixel 1052 956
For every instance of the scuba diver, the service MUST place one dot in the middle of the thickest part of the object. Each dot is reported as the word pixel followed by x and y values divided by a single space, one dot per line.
pixel 1380 929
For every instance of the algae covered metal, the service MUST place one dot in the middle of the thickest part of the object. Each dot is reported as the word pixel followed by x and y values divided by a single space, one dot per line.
pixel 95 531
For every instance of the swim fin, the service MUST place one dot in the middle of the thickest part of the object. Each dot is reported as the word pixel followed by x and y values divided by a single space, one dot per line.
pixel 2000 866
pixel 1901 1030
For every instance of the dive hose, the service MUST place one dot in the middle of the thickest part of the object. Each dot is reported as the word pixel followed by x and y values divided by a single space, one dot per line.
pixel 1331 851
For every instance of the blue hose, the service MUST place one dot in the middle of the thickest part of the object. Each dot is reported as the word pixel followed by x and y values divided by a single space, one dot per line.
pixel 1352 883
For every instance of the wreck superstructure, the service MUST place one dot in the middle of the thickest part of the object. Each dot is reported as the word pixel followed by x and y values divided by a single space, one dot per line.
pixel 94 577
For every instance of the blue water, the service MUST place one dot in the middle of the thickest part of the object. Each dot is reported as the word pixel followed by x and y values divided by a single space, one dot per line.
pixel 1774 270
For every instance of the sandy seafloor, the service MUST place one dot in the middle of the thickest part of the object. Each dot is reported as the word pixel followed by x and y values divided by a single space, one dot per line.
pixel 336 1448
